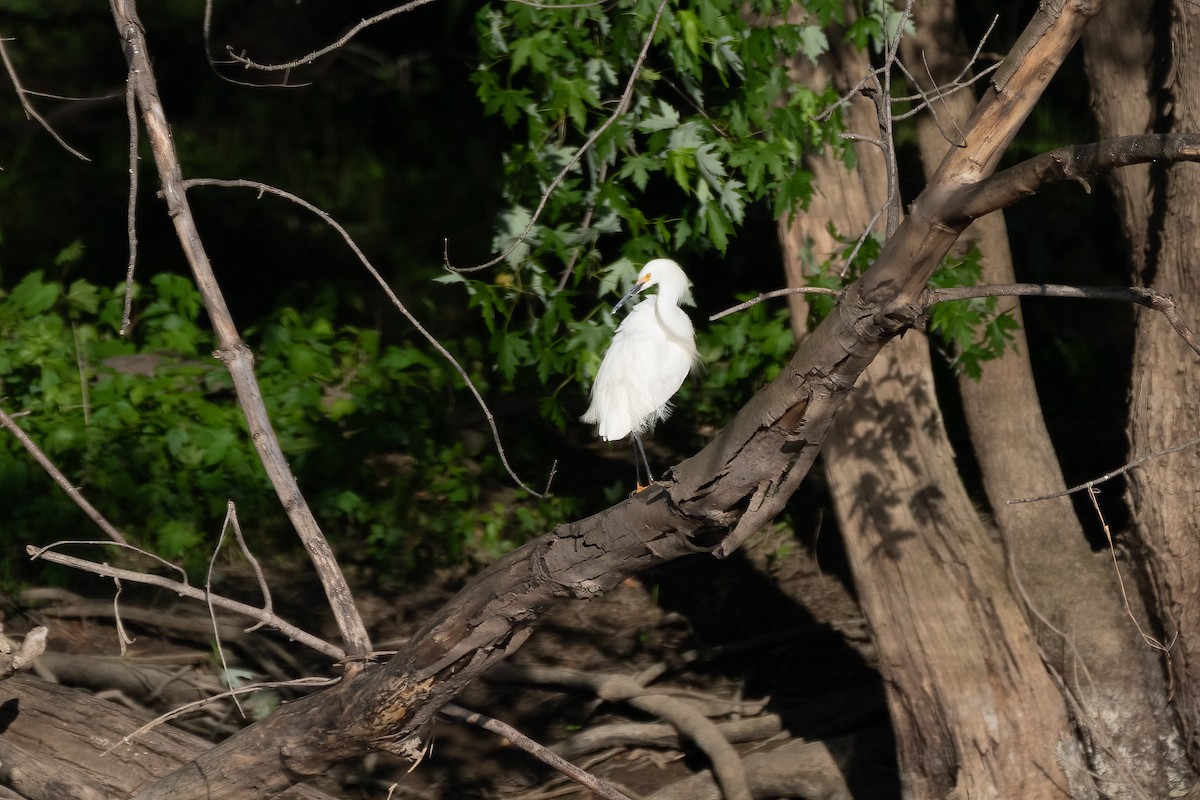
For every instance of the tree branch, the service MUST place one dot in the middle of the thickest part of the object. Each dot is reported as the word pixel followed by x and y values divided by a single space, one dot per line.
pixel 264 616
pixel 41 458
pixel 1074 163
pixel 30 111
pixel 537 750
pixel 233 351
pixel 1154 300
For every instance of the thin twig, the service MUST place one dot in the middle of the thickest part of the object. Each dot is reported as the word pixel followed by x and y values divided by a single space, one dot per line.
pixel 773 294
pixel 183 590
pixel 268 604
pixel 1112 549
pixel 230 518
pixel 30 111
pixel 123 638
pixel 1094 482
pixel 383 284
pixel 622 107
pixel 109 529
pixel 131 210
pixel 329 48
pixel 537 750
pixel 233 692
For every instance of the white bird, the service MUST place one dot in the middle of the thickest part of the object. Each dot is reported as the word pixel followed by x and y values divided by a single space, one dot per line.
pixel 651 354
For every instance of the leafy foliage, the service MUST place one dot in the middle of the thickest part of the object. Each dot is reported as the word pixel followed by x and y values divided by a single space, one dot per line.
pixel 149 427
pixel 714 123
pixel 971 329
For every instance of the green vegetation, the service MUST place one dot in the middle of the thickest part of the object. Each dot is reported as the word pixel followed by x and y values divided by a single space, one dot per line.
pixel 391 453
pixel 148 426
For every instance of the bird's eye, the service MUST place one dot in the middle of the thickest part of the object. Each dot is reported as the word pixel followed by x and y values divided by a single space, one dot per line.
pixel 646 278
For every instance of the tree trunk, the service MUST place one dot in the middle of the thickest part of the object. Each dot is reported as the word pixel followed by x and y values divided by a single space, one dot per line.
pixel 1081 624
pixel 1164 239
pixel 850 199
pixel 974 712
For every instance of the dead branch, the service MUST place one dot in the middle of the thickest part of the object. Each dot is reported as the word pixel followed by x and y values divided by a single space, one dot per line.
pixel 691 724
pixel 131 206
pixel 539 751
pixel 1072 163
pixel 45 463
pixel 650 734
pixel 1154 300
pixel 1091 485
pixel 30 111
pixel 104 570
pixel 355 30
pixel 773 294
pixel 795 769
pixel 233 351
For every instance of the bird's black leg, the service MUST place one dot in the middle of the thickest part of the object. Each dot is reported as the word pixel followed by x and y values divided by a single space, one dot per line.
pixel 641 463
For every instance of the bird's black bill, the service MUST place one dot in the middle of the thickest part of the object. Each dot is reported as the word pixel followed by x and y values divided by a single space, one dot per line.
pixel 633 290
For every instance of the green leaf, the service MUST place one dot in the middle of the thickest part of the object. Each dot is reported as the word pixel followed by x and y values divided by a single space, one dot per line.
pixel 32 297
pixel 69 254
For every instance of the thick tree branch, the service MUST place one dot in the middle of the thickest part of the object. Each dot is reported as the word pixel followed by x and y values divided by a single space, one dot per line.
pixel 233 351
pixel 1073 163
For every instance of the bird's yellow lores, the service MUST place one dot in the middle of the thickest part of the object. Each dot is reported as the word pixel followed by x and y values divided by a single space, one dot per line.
pixel 651 354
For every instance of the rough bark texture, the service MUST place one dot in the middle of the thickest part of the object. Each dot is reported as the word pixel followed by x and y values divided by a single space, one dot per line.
pixel 58 743
pixel 1081 624
pixel 1158 90
pixel 850 198
pixel 975 713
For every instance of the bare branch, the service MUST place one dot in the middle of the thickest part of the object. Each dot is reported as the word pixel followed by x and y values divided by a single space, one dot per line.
pixel 1094 482
pixel 263 188
pixel 329 48
pixel 773 294
pixel 131 210
pixel 534 748
pixel 233 351
pixel 184 590
pixel 622 107
pixel 1074 163
pixel 1154 300
pixel 30 111
pixel 109 529
pixel 726 763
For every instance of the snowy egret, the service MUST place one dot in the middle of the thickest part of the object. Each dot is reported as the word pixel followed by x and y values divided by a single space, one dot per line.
pixel 651 354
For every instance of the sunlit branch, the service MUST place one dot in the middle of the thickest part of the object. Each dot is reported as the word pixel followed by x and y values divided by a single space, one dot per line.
pixel 184 590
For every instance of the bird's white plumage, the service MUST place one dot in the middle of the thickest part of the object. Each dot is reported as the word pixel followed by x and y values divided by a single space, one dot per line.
pixel 651 354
